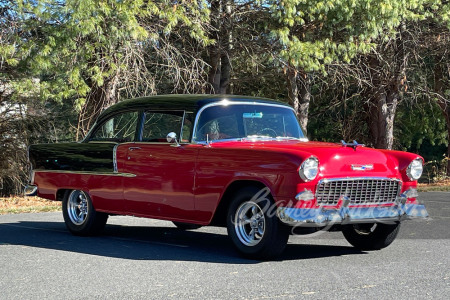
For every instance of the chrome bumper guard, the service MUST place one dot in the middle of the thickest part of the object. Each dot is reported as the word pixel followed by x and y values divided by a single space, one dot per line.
pixel 307 217
pixel 30 190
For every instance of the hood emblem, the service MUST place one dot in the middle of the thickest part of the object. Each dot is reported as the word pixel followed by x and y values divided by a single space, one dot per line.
pixel 353 145
pixel 362 167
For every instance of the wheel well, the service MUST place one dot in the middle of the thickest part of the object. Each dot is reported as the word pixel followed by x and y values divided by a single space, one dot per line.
pixel 60 194
pixel 220 214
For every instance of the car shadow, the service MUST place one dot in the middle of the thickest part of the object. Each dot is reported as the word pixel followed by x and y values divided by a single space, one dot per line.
pixel 150 243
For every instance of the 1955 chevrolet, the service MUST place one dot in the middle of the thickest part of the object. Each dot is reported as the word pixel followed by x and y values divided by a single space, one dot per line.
pixel 233 161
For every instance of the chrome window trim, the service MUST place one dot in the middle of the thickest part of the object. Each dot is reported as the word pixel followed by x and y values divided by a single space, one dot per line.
pixel 86 138
pixel 87 173
pixel 251 140
pixel 326 180
pixel 229 103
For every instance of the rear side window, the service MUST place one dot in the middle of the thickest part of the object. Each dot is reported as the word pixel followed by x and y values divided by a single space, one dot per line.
pixel 120 128
pixel 158 124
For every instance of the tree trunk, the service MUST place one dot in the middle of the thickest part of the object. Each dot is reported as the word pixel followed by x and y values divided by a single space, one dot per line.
pixel 382 118
pixel 219 75
pixel 443 103
pixel 388 79
pixel 227 39
pixel 215 49
pixel 299 94
pixel 99 98
pixel 447 119
pixel 445 108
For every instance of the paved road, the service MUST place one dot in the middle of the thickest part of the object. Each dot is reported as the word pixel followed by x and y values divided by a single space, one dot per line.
pixel 147 259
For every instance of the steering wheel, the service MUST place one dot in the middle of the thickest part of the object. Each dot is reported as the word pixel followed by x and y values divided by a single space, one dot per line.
pixel 268 131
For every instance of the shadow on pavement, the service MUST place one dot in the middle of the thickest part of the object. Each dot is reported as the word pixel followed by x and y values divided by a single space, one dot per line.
pixel 150 243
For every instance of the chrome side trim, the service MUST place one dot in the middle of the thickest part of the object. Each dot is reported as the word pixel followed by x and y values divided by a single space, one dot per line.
pixel 115 158
pixel 32 177
pixel 87 173
pixel 227 102
pixel 182 124
pixel 305 217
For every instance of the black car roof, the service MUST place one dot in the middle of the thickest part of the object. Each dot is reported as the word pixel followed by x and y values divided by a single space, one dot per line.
pixel 178 102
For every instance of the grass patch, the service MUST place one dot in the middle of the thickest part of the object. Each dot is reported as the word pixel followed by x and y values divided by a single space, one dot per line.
pixel 440 186
pixel 17 205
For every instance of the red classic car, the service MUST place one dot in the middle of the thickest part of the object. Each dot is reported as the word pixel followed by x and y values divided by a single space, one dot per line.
pixel 233 161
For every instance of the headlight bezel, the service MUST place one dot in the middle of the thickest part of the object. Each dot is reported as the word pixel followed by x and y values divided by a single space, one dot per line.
pixel 415 169
pixel 309 164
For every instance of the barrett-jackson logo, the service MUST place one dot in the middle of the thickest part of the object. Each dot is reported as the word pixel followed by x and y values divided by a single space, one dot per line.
pixel 362 167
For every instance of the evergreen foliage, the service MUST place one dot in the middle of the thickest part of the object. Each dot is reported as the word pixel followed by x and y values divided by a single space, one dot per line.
pixel 337 62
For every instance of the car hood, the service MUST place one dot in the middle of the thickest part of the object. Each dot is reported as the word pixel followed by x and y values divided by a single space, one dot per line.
pixel 335 160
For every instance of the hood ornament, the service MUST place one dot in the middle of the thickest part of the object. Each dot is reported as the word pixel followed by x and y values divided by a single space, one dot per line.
pixel 353 145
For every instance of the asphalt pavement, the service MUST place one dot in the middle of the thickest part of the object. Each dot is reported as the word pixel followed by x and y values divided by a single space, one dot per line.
pixel 140 258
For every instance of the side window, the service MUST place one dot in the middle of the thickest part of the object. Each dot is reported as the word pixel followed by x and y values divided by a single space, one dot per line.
pixel 225 127
pixel 120 128
pixel 159 123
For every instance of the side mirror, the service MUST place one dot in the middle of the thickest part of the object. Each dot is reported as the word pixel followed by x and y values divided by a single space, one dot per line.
pixel 172 138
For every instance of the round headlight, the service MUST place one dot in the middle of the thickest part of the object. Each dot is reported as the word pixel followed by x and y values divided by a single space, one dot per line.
pixel 309 169
pixel 414 170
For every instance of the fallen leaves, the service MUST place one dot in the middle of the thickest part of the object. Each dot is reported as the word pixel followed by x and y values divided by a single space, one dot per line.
pixel 16 204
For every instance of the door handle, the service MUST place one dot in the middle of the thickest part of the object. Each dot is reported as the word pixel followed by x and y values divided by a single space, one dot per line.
pixel 134 148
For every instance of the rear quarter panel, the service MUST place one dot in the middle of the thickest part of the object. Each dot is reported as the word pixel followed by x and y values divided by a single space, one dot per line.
pixel 83 166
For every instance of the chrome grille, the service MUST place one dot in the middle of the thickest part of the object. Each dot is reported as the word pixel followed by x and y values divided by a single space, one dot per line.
pixel 358 190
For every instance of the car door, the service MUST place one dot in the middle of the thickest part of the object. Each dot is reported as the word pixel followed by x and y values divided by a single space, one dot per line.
pixel 163 181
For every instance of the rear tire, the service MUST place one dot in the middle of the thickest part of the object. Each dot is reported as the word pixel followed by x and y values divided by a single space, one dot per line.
pixel 373 236
pixel 80 216
pixel 186 226
pixel 253 225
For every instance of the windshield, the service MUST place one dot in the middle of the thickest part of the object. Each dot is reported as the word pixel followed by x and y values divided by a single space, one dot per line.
pixel 237 121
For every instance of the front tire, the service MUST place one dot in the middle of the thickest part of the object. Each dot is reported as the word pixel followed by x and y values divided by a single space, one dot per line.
pixel 80 216
pixel 253 226
pixel 373 236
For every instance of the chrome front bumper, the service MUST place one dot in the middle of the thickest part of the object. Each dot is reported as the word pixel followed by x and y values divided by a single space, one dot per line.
pixel 307 217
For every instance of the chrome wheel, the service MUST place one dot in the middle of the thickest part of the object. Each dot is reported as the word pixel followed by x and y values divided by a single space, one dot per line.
pixel 249 223
pixel 255 232
pixel 77 207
